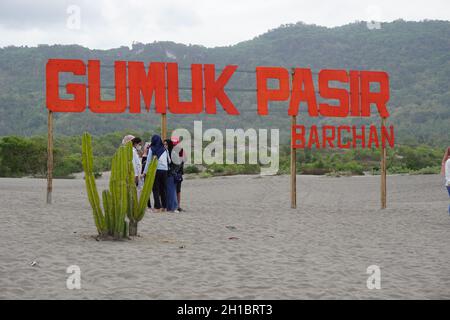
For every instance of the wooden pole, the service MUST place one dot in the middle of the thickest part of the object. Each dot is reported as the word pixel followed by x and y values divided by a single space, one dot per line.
pixel 293 167
pixel 383 171
pixel 293 160
pixel 163 126
pixel 49 157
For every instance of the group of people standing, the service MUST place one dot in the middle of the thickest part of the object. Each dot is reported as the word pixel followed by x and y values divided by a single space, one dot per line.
pixel 169 173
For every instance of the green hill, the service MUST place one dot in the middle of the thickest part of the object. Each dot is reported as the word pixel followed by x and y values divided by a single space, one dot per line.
pixel 415 54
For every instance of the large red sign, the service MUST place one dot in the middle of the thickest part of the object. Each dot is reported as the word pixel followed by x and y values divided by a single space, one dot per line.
pixel 134 79
pixel 159 82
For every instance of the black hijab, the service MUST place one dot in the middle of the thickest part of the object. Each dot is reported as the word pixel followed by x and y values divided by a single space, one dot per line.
pixel 157 146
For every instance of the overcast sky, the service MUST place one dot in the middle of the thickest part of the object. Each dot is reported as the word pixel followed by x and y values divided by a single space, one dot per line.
pixel 112 23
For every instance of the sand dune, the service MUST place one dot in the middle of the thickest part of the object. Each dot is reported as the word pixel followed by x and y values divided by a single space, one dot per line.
pixel 319 251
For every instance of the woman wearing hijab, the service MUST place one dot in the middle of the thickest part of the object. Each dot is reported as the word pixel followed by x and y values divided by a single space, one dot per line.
pixel 160 185
pixel 446 171
pixel 127 139
pixel 172 204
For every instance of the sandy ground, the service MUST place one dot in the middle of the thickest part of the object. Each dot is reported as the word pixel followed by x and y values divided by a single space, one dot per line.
pixel 321 250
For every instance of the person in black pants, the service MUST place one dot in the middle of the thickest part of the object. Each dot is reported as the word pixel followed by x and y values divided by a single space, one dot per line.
pixel 160 185
pixel 179 172
pixel 159 190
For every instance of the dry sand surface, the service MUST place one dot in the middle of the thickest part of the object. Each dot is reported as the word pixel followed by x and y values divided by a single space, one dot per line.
pixel 321 250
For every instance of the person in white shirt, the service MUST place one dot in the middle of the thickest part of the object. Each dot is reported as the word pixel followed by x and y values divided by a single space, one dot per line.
pixel 160 185
pixel 446 172
pixel 137 162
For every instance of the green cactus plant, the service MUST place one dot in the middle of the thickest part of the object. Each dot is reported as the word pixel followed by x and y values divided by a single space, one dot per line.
pixel 87 161
pixel 118 189
pixel 121 200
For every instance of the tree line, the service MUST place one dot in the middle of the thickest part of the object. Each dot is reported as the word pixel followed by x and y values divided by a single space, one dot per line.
pixel 27 156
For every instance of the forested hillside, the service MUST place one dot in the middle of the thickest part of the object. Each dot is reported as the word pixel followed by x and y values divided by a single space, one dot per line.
pixel 415 54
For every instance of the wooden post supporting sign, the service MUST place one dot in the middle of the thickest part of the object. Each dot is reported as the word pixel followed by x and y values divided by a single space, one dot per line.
pixel 383 171
pixel 164 126
pixel 293 167
pixel 49 157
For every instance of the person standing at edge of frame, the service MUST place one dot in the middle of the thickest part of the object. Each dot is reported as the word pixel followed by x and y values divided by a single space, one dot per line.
pixel 160 185
pixel 446 172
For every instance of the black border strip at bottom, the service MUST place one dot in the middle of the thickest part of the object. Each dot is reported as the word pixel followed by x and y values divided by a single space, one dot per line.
pixel 221 309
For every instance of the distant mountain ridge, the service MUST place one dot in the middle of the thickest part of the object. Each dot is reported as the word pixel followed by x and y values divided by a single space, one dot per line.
pixel 415 54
